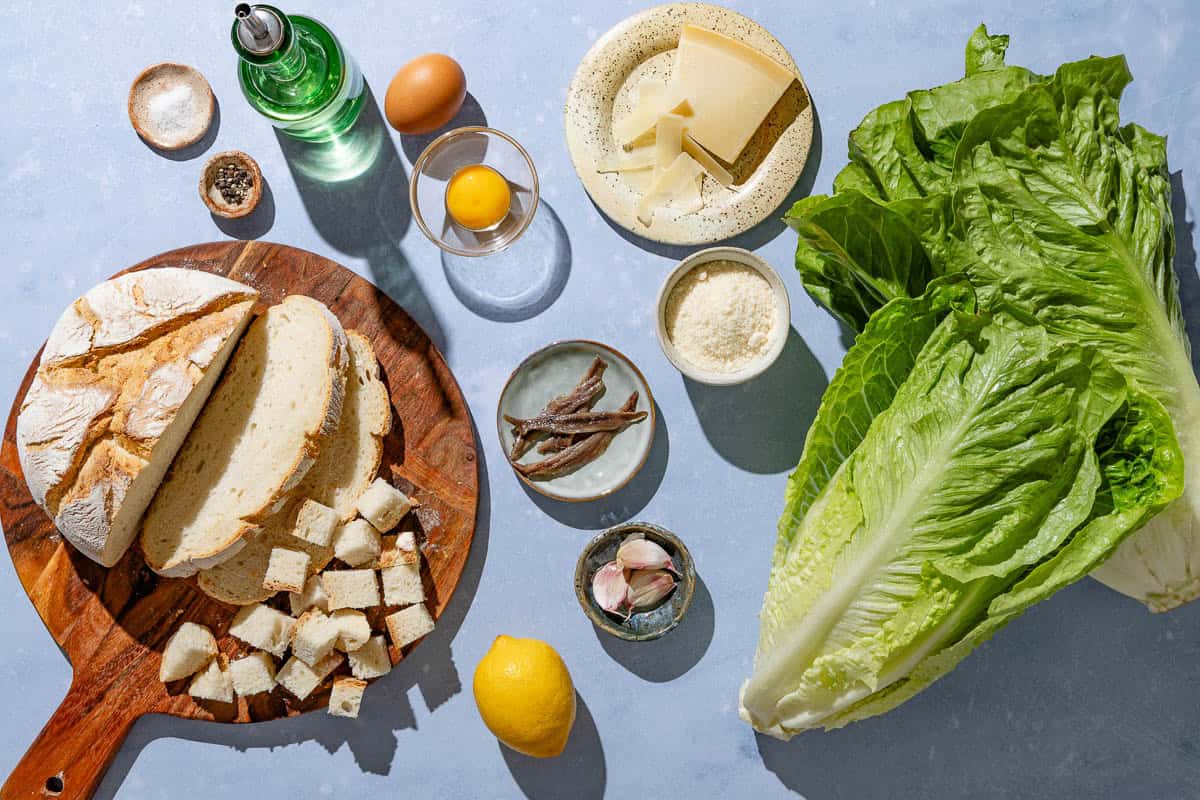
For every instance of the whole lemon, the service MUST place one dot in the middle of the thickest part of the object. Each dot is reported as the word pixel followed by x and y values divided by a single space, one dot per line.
pixel 525 696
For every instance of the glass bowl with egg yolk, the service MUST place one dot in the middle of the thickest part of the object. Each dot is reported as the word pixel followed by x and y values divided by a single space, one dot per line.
pixel 478 197
pixel 473 191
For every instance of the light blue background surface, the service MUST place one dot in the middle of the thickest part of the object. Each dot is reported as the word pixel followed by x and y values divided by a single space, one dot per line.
pixel 1086 696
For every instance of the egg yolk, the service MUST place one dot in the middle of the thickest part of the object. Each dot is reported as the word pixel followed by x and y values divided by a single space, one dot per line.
pixel 478 197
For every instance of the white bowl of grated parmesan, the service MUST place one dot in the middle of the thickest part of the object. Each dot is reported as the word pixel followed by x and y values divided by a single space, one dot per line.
pixel 723 316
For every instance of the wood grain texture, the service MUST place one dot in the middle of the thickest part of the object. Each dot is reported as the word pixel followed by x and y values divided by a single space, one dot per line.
pixel 113 623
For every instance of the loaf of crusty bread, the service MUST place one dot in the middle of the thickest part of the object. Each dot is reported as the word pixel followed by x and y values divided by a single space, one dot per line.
pixel 122 377
pixel 346 464
pixel 255 440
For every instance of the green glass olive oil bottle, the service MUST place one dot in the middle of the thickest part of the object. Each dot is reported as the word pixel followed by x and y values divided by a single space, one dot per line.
pixel 295 73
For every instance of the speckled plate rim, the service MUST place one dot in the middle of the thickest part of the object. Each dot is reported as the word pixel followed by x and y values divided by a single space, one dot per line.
pixel 686 584
pixel 587 118
pixel 651 417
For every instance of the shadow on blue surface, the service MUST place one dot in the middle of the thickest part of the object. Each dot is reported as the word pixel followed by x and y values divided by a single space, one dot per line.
pixel 579 773
pixel 519 282
pixel 365 215
pixel 622 505
pixel 665 659
pixel 1185 264
pixel 760 425
pixel 471 113
pixel 757 236
pixel 1048 708
pixel 386 708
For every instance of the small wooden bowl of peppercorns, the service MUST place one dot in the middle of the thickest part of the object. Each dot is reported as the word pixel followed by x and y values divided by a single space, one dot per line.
pixel 231 184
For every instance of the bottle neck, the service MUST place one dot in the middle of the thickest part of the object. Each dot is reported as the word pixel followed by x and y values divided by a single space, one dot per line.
pixel 285 63
pixel 291 61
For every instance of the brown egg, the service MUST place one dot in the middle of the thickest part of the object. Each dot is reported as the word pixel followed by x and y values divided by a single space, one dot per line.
pixel 425 94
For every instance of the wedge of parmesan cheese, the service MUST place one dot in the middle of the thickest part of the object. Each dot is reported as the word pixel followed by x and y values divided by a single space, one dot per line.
pixel 730 88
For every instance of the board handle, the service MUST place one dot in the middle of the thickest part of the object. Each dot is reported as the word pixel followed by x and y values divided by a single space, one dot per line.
pixel 69 757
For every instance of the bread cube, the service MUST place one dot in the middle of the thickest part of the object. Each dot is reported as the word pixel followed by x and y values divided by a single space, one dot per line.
pixel 371 660
pixel 313 596
pixel 286 570
pixel 399 549
pixel 253 674
pixel 351 588
pixel 402 585
pixel 214 682
pixel 316 523
pixel 313 636
pixel 188 650
pixel 263 627
pixel 383 505
pixel 346 697
pixel 356 543
pixel 353 629
pixel 300 679
pixel 409 624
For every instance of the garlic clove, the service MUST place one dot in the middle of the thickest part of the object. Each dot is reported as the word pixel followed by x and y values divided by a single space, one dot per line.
pixel 639 553
pixel 648 587
pixel 610 589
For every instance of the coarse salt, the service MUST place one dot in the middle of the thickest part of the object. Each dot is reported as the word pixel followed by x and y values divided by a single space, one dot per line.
pixel 174 110
pixel 722 316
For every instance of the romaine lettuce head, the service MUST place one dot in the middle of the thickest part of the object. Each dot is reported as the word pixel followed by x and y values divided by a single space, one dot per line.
pixel 962 466
pixel 1048 205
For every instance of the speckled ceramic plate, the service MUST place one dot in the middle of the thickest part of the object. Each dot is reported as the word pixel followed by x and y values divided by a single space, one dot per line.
pixel 643 46
pixel 555 370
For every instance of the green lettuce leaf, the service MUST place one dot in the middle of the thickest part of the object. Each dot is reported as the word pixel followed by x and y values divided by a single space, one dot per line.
pixel 972 456
pixel 1069 215
pixel 1050 205
pixel 985 52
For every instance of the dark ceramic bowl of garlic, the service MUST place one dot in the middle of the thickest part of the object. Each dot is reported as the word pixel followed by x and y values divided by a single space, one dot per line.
pixel 635 581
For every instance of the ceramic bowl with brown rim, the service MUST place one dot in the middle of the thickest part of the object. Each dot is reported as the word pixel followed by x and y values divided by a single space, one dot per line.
pixel 554 371
pixel 646 624
pixel 231 202
pixel 171 105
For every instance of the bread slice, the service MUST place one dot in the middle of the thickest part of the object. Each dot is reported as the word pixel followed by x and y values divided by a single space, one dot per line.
pixel 350 458
pixel 122 377
pixel 240 579
pixel 346 464
pixel 255 440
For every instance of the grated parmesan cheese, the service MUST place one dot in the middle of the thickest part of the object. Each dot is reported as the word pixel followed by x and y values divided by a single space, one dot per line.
pixel 721 316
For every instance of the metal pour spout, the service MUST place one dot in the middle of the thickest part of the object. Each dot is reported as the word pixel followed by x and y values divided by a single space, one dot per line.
pixel 259 28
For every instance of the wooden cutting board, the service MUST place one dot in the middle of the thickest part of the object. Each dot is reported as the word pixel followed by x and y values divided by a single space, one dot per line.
pixel 113 623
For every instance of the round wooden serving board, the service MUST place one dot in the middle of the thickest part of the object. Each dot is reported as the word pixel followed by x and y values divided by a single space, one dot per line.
pixel 113 623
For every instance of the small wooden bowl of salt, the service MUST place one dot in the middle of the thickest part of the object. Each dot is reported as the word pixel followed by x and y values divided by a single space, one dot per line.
pixel 171 106
pixel 723 316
